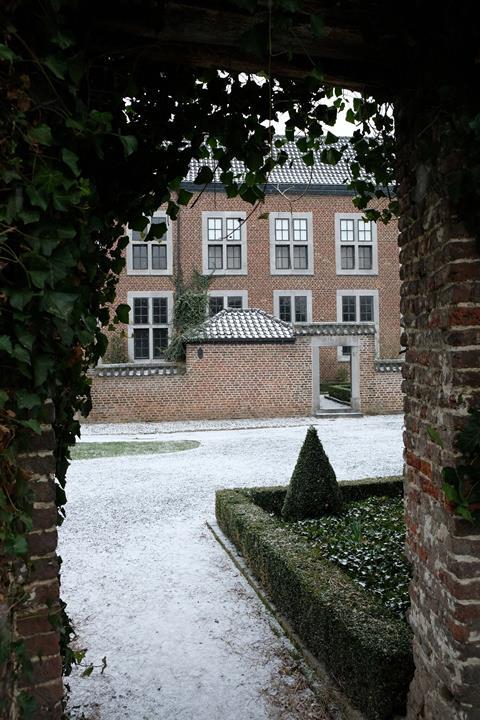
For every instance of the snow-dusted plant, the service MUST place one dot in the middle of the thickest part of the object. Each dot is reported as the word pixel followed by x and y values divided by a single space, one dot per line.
pixel 313 489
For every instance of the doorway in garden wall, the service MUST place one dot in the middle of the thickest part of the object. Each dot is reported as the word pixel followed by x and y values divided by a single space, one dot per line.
pixel 335 373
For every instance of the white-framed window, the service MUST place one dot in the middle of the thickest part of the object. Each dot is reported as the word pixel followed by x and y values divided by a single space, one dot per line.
pixel 355 245
pixel 154 257
pixel 222 299
pixel 149 326
pixel 291 243
pixel 293 306
pixel 357 306
pixel 224 243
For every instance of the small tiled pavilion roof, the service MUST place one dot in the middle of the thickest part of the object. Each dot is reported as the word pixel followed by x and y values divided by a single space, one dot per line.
pixel 241 326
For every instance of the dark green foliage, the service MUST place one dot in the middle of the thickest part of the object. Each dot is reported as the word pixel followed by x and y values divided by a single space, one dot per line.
pixel 368 487
pixel 341 392
pixel 368 542
pixel 364 646
pixel 313 489
pixel 462 483
pixel 190 310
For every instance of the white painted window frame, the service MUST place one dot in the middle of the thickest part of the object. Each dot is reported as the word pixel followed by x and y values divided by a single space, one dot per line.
pixel 166 240
pixel 291 216
pixel 293 294
pixel 358 294
pixel 225 294
pixel 132 326
pixel 356 244
pixel 241 215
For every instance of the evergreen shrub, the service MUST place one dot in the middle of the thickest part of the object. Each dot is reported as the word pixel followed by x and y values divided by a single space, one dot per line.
pixel 313 490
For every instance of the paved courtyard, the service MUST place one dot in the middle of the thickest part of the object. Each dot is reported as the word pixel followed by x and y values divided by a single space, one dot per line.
pixel 184 635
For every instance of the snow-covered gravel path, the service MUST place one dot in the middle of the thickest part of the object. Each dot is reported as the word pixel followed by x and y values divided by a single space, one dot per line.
pixel 185 636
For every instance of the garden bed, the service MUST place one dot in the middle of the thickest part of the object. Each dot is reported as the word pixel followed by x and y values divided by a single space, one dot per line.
pixel 364 645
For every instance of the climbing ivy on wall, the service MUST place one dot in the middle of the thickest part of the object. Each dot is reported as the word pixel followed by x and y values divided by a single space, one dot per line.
pixel 189 310
pixel 91 141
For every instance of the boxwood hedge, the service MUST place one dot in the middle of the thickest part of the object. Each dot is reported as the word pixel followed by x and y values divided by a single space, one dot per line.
pixel 341 392
pixel 364 646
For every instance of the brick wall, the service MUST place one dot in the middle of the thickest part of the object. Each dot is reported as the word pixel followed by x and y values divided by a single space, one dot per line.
pixel 34 591
pixel 441 309
pixel 234 381
pixel 380 382
pixel 229 381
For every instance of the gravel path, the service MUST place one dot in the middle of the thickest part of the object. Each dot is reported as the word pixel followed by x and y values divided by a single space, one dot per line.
pixel 147 585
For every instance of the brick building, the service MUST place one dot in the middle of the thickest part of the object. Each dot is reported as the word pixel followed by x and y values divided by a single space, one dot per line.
pixel 305 256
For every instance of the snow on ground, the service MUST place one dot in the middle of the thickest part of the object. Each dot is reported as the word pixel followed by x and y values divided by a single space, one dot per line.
pixel 147 585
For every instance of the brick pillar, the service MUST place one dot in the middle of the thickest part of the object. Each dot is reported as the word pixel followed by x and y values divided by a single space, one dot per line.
pixel 36 608
pixel 441 309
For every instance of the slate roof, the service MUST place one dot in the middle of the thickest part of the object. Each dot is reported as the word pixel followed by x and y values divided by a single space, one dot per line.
pixel 294 172
pixel 242 326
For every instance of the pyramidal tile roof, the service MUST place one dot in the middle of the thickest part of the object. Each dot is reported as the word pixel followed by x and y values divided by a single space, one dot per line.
pixel 294 172
pixel 241 326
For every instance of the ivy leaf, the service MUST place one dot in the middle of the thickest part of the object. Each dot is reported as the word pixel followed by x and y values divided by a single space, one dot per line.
pixel 42 134
pixel 87 672
pixel 36 198
pixel 41 366
pixel 38 278
pixel 309 158
pixel 20 298
pixel 123 313
pixel 331 156
pixel 32 425
pixel 6 53
pixel 26 400
pixel 157 231
pixel 330 138
pixel 435 436
pixel 130 144
pixel 138 223
pixel 204 177
pixel 59 304
pixel 71 159
pixel 20 354
pixel 57 66
pixel 19 545
pixel 451 493
pixel 3 398
pixel 25 337
pixel 5 344
pixel 184 197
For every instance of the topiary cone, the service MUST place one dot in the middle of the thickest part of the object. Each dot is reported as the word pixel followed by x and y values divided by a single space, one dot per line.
pixel 313 489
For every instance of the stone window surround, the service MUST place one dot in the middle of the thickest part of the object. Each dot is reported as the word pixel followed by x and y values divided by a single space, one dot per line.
pixel 291 215
pixel 358 293
pixel 338 244
pixel 168 294
pixel 229 293
pixel 241 214
pixel 167 241
pixel 292 294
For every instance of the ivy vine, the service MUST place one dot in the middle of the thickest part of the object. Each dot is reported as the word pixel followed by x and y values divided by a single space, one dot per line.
pixel 462 482
pixel 78 162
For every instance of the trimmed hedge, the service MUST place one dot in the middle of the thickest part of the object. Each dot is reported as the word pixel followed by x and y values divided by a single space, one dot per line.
pixel 365 647
pixel 340 392
pixel 271 498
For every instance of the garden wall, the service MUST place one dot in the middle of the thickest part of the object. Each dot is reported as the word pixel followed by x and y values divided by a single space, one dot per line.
pixel 228 381
pixel 380 383
pixel 233 381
